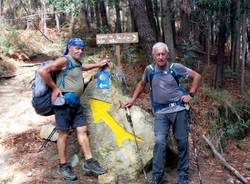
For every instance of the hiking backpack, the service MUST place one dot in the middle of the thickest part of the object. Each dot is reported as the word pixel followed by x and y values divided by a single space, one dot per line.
pixel 41 92
pixel 156 106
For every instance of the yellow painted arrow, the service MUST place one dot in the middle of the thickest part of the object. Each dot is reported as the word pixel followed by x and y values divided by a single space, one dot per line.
pixel 99 110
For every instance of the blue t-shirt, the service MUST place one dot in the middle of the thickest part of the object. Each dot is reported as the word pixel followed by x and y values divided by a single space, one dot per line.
pixel 164 87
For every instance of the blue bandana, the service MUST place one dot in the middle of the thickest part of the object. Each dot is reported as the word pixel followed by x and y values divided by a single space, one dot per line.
pixel 73 42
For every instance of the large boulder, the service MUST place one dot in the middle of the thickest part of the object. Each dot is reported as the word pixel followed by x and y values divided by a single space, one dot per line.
pixel 111 137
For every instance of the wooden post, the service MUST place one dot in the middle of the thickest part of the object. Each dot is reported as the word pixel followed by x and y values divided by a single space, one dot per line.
pixel 118 54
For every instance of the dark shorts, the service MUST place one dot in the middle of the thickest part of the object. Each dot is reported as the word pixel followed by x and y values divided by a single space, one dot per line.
pixel 69 117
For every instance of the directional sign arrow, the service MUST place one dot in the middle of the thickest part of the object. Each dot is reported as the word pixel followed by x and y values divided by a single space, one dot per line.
pixel 99 110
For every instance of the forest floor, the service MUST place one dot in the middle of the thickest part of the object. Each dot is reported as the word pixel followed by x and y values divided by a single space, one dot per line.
pixel 19 137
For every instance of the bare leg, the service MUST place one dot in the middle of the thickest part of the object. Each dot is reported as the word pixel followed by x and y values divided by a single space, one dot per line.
pixel 84 141
pixel 61 146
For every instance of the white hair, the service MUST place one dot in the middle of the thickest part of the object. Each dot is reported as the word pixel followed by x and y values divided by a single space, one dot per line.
pixel 159 45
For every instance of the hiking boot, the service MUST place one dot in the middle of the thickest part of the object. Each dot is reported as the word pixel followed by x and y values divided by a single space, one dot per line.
pixel 155 180
pixel 93 166
pixel 66 171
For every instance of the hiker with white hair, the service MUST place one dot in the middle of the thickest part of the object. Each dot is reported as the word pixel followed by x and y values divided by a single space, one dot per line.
pixel 168 99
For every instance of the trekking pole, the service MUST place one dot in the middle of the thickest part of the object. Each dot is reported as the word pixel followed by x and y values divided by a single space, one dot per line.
pixel 47 140
pixel 194 145
pixel 129 119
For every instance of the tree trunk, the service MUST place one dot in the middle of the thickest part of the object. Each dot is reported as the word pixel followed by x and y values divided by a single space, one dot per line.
pixel 248 38
pixel 1 8
pixel 10 12
pixel 235 52
pixel 104 18
pixel 156 13
pixel 43 23
pixel 92 13
pixel 185 11
pixel 203 37
pixel 132 22
pixel 221 55
pixel 208 39
pixel 167 26
pixel 212 33
pixel 84 24
pixel 45 18
pixel 244 52
pixel 72 24
pixel 97 15
pixel 57 19
pixel 150 13
pixel 173 28
pixel 146 33
pixel 118 28
pixel 195 25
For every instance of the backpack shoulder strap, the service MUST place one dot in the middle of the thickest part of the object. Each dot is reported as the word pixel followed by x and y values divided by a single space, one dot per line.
pixel 69 66
pixel 174 73
pixel 151 74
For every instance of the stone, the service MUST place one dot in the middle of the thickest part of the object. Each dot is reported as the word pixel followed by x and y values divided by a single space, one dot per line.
pixel 230 180
pixel 111 137
pixel 74 160
pixel 247 165
pixel 238 182
pixel 30 174
pixel 5 155
pixel 108 178
pixel 46 130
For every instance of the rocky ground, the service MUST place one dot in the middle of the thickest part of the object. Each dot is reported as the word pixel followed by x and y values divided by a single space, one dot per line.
pixel 19 137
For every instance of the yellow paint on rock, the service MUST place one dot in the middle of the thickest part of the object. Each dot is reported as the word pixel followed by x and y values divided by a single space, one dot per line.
pixel 99 110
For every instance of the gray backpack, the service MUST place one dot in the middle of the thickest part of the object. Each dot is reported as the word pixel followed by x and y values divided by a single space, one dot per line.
pixel 41 92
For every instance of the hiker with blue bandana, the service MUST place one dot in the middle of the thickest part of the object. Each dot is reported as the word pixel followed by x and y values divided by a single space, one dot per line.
pixel 168 99
pixel 68 111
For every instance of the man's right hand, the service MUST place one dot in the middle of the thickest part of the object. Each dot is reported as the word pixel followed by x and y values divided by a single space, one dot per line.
pixel 55 93
pixel 128 103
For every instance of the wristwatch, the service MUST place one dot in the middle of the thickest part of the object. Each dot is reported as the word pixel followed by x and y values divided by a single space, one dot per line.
pixel 191 94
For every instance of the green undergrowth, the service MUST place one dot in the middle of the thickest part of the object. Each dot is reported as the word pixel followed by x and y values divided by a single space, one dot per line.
pixel 229 116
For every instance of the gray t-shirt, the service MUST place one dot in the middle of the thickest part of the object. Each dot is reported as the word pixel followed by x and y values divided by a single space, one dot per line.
pixel 164 87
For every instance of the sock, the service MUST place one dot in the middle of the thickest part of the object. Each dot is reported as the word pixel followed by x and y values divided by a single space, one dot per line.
pixel 89 160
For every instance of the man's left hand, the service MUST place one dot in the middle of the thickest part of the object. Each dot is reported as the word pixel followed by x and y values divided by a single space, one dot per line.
pixel 186 98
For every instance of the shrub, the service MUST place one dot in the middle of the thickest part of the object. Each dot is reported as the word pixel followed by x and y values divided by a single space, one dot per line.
pixel 188 55
pixel 232 117
pixel 237 130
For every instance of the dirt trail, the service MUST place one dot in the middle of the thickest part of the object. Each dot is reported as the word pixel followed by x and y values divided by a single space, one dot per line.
pixel 17 114
pixel 16 119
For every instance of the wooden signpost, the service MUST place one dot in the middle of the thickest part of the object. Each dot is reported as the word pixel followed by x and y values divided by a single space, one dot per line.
pixel 117 38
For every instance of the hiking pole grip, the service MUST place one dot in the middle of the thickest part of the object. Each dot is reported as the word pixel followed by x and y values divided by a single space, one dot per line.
pixel 128 116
